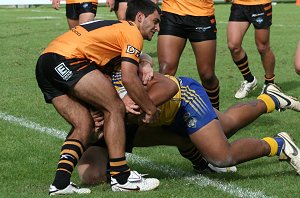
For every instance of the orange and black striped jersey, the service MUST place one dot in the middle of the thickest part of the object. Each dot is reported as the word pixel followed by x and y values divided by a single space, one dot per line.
pixel 105 43
pixel 251 2
pixel 80 1
pixel 189 7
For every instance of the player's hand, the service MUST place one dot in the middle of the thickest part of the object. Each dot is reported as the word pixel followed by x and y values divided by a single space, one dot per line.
pixel 98 118
pixel 145 71
pixel 110 4
pixel 151 117
pixel 131 106
pixel 56 4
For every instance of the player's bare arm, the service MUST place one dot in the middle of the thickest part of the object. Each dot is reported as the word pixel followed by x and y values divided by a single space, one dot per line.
pixel 136 91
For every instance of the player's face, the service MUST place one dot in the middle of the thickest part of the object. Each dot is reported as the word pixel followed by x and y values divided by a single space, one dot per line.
pixel 150 25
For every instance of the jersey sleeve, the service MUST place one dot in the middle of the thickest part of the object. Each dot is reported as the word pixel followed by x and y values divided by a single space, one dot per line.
pixel 131 43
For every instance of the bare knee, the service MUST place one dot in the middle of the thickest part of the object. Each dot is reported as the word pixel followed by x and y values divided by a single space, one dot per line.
pixel 115 109
pixel 167 68
pixel 234 49
pixel 263 49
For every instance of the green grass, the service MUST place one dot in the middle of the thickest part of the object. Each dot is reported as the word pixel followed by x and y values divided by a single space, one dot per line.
pixel 29 157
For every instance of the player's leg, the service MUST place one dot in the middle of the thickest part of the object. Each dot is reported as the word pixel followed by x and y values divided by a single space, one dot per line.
pixel 242 114
pixel 262 40
pixel 121 9
pixel 72 23
pixel 92 166
pixel 297 59
pixel 236 28
pixel 205 53
pixel 204 48
pixel 75 113
pixel 169 59
pixel 86 17
pixel 87 12
pixel 213 144
pixel 72 15
pixel 106 99
pixel 170 43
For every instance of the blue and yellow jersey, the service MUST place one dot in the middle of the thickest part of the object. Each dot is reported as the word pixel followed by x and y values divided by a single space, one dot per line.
pixel 168 110
pixel 188 111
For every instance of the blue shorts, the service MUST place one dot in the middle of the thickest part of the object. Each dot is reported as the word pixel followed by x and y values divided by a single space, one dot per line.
pixel 195 110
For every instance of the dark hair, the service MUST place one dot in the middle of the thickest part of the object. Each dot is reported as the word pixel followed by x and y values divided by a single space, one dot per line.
pixel 146 7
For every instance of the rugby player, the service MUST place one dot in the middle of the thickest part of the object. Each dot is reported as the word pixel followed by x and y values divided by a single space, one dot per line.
pixel 194 21
pixel 188 117
pixel 78 11
pixel 70 73
pixel 242 15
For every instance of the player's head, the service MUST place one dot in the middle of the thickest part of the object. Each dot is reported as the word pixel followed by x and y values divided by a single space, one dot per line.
pixel 146 15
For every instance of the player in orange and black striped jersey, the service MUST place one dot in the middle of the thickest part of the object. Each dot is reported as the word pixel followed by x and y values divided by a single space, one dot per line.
pixel 70 75
pixel 242 15
pixel 195 21
pixel 78 11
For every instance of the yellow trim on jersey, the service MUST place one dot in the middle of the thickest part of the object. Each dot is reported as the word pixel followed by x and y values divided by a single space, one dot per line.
pixel 273 145
pixel 268 101
pixel 194 100
pixel 170 108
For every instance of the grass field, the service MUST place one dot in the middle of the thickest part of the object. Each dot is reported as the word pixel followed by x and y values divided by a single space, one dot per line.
pixel 32 132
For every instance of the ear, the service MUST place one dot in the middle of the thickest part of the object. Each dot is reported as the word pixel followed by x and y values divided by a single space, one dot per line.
pixel 139 17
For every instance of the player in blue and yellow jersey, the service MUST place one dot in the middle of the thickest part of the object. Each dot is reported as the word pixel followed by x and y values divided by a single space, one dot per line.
pixel 189 115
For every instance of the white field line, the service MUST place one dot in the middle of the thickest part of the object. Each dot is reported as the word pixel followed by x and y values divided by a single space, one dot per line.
pixel 40 17
pixel 198 179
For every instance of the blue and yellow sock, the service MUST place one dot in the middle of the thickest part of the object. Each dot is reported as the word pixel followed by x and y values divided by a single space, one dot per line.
pixel 276 145
pixel 270 101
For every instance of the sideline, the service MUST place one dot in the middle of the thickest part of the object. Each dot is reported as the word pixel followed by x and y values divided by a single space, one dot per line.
pixel 198 179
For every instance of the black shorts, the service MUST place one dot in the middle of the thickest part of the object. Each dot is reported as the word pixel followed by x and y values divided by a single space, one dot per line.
pixel 131 130
pixel 75 9
pixel 194 28
pixel 116 7
pixel 56 75
pixel 259 15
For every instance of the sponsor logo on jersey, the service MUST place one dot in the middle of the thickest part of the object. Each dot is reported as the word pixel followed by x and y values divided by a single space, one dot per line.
pixel 132 50
pixel 63 71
